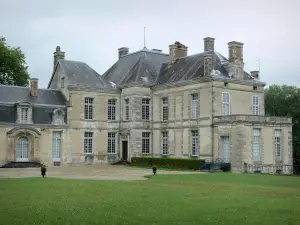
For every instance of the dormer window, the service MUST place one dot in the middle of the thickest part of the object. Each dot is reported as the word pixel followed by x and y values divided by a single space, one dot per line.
pixel 58 117
pixel 24 115
pixel 24 112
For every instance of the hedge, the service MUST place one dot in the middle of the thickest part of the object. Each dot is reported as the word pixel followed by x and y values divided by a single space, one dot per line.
pixel 192 164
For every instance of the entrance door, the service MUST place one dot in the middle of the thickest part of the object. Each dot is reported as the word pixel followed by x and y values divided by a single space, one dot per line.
pixel 226 148
pixel 22 148
pixel 56 146
pixel 125 150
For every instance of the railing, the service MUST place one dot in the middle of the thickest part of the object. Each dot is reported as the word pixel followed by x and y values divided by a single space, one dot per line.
pixel 216 164
pixel 273 169
pixel 251 118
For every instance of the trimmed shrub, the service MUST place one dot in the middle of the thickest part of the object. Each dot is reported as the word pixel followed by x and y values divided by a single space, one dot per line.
pixel 192 164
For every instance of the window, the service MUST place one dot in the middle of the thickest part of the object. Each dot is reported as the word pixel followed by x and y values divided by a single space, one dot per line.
pixel 256 145
pixel 24 115
pixel 277 144
pixel 226 148
pixel 225 84
pixel 112 109
pixel 88 142
pixel 165 109
pixel 194 143
pixel 145 108
pixel 255 105
pixel 22 149
pixel 88 108
pixel 254 88
pixel 111 143
pixel 146 142
pixel 56 145
pixel 126 102
pixel 62 83
pixel 194 106
pixel 226 103
pixel 165 144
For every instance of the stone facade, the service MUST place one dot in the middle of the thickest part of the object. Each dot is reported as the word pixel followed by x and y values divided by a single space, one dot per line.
pixel 224 128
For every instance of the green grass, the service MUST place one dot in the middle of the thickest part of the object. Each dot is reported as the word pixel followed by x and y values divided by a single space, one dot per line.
pixel 164 199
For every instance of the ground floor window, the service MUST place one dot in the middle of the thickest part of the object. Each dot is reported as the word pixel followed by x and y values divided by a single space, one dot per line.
pixel 88 142
pixel 256 145
pixel 146 142
pixel 56 145
pixel 165 143
pixel 22 149
pixel 194 143
pixel 111 144
pixel 225 148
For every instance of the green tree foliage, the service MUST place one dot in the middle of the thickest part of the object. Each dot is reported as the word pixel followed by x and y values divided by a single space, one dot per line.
pixel 13 69
pixel 285 101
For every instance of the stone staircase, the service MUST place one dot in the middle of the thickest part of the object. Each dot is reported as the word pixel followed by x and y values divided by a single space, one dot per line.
pixel 21 165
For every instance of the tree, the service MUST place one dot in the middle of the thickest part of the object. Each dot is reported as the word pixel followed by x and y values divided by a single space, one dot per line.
pixel 13 69
pixel 285 101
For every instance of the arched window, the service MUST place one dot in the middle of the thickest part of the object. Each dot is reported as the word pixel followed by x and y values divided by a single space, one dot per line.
pixel 22 149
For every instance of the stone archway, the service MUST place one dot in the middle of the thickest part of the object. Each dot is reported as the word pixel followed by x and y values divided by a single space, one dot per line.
pixel 23 144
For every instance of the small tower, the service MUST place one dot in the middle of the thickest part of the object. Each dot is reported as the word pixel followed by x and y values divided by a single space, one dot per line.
pixel 57 55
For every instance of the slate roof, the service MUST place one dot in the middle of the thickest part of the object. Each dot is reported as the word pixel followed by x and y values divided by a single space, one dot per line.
pixel 141 67
pixel 79 74
pixel 192 67
pixel 14 94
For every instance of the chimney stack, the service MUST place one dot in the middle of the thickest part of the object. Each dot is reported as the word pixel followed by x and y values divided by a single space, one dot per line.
pixel 57 56
pixel 209 44
pixel 255 74
pixel 177 50
pixel 123 51
pixel 34 87
pixel 235 51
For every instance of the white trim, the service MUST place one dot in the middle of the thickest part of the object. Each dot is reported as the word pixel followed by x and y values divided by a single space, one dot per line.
pixel 253 105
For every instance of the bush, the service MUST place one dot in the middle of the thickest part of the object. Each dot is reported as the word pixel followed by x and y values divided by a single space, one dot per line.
pixel 192 164
pixel 43 169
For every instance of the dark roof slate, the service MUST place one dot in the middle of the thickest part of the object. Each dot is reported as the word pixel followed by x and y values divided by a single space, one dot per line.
pixel 141 67
pixel 14 94
pixel 81 74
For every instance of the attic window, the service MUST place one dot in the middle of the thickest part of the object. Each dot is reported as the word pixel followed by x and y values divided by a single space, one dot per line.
pixel 254 88
pixel 58 117
pixel 62 83
pixel 225 84
pixel 24 112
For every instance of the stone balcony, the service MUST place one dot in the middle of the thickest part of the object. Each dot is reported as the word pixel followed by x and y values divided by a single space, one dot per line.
pixel 251 119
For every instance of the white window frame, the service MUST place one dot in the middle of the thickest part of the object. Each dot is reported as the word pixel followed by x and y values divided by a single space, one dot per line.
pixel 126 109
pixel 88 108
pixel 165 143
pixel 225 103
pixel 56 146
pixel 256 145
pixel 88 143
pixel 195 142
pixel 24 114
pixel 111 112
pixel 145 109
pixel 194 105
pixel 226 151
pixel 22 149
pixel 146 140
pixel 111 143
pixel 277 144
pixel 165 109
pixel 255 105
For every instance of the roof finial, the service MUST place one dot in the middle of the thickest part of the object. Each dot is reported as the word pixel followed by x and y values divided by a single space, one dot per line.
pixel 144 37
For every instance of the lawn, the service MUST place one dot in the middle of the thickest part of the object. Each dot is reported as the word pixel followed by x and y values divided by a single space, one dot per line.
pixel 220 198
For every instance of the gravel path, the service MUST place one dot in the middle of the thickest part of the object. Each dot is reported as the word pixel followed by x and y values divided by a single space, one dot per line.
pixel 90 172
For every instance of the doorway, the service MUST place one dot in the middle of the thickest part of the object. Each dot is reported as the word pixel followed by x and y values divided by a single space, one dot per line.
pixel 124 150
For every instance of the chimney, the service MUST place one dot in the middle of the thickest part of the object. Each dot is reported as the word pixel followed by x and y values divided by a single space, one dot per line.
pixel 57 56
pixel 208 64
pixel 235 58
pixel 177 50
pixel 34 87
pixel 255 74
pixel 123 51
pixel 209 44
pixel 235 51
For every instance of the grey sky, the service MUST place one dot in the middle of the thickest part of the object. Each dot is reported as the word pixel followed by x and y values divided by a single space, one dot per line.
pixel 92 30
